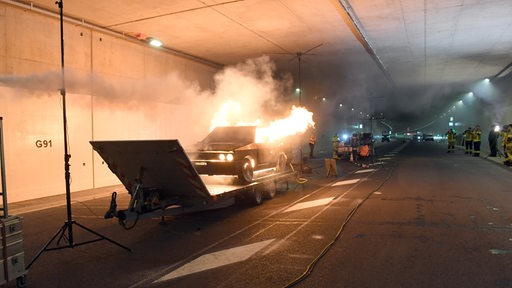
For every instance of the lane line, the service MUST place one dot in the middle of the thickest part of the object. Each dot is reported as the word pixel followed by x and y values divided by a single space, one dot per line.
pixel 346 182
pixel 217 259
pixel 365 171
pixel 309 204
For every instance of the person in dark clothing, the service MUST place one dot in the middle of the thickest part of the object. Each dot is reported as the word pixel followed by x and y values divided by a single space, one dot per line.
pixel 312 141
pixel 493 142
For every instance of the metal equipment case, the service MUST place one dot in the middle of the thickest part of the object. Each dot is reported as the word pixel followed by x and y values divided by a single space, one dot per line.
pixel 12 261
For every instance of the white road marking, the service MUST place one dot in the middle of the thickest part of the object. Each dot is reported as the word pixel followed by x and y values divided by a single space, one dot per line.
pixel 346 182
pixel 384 158
pixel 499 251
pixel 365 171
pixel 309 204
pixel 217 259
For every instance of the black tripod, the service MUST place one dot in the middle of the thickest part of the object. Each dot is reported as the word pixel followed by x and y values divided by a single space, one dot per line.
pixel 68 225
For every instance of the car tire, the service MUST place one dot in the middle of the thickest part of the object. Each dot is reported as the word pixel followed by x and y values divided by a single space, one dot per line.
pixel 246 172
pixel 255 197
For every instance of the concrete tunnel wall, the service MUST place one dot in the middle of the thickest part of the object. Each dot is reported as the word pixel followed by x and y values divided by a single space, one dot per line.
pixel 106 99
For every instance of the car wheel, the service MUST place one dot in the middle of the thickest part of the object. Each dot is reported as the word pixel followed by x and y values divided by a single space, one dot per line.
pixel 255 197
pixel 246 172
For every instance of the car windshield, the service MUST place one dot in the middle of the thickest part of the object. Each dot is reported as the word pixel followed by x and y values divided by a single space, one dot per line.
pixel 224 138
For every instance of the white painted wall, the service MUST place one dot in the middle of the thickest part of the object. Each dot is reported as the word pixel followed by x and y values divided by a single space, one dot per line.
pixel 115 89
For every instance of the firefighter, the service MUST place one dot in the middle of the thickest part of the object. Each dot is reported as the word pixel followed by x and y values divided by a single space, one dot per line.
pixel 503 134
pixel 493 141
pixel 477 138
pixel 450 135
pixel 354 143
pixel 508 149
pixel 468 137
pixel 335 145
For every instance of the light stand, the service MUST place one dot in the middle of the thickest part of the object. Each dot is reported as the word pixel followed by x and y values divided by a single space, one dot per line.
pixel 299 56
pixel 68 225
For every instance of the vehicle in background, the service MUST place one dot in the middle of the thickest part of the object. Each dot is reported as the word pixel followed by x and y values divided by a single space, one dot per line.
pixel 385 136
pixel 232 150
pixel 427 137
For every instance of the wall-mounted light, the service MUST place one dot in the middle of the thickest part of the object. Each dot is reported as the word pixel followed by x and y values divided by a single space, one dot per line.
pixel 155 42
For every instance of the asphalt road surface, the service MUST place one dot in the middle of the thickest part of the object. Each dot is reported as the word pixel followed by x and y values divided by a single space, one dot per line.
pixel 418 217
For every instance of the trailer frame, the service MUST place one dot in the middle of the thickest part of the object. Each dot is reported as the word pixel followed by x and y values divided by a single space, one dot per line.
pixel 162 181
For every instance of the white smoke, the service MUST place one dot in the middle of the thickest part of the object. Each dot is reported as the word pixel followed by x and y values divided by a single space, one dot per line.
pixel 185 106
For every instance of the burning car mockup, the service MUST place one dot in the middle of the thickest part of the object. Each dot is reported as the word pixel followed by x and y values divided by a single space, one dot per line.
pixel 232 150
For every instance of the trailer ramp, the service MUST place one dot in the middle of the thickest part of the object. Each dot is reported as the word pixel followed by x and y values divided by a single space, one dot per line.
pixel 157 173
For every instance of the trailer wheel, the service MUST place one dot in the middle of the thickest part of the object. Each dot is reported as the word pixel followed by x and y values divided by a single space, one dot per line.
pixel 21 281
pixel 246 172
pixel 270 190
pixel 255 196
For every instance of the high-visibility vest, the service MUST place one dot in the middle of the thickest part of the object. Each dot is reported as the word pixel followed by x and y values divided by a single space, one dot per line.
pixel 476 135
pixel 451 136
pixel 508 139
pixel 469 135
pixel 365 151
pixel 504 136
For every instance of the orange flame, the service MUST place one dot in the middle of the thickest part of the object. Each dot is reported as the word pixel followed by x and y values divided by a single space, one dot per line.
pixel 229 115
pixel 299 120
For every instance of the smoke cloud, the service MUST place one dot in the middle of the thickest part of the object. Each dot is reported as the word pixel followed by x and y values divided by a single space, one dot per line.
pixel 187 107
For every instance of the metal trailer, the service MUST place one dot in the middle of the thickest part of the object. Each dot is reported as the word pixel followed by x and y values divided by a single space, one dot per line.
pixel 162 181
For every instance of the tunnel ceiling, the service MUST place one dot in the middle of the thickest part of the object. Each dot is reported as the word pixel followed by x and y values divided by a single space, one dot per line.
pixel 395 57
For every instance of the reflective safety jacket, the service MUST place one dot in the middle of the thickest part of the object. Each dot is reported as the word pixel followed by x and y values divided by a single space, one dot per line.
pixel 508 140
pixel 469 135
pixel 365 151
pixel 451 136
pixel 477 135
pixel 504 136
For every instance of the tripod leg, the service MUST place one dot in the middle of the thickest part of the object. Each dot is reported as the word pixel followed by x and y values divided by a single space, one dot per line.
pixel 102 236
pixel 60 232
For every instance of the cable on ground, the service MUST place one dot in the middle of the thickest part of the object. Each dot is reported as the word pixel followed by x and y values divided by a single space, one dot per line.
pixel 312 265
